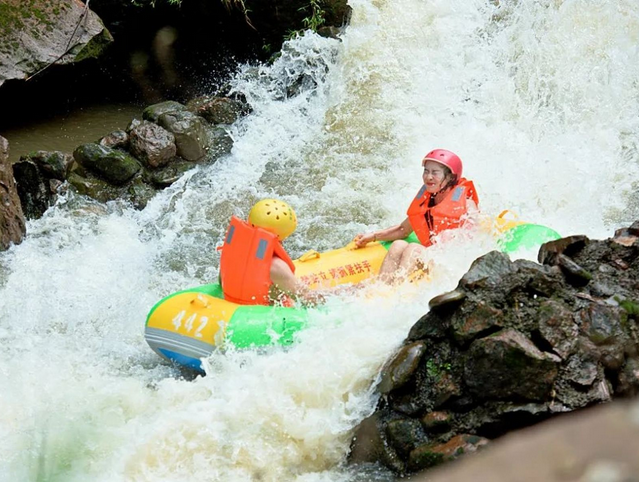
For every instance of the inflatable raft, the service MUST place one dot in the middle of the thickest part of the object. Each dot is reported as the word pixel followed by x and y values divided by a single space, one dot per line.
pixel 188 325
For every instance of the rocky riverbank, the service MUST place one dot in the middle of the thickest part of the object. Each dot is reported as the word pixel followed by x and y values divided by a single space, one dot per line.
pixel 514 344
pixel 132 163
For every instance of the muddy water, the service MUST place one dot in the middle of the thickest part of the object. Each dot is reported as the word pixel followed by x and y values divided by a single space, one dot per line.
pixel 68 131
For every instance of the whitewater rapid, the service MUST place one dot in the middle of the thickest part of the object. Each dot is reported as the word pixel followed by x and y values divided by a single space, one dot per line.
pixel 540 101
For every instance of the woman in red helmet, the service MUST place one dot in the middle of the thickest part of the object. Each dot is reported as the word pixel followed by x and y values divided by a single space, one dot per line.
pixel 442 203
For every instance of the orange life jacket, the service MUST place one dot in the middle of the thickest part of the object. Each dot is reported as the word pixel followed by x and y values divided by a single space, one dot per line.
pixel 429 222
pixel 245 264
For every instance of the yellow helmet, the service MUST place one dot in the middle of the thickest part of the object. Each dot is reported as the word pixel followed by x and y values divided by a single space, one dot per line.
pixel 275 216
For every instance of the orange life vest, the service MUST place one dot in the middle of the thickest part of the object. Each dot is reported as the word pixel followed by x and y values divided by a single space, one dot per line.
pixel 245 264
pixel 429 222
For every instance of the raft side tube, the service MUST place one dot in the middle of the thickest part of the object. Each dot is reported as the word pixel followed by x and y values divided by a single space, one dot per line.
pixel 255 326
pixel 526 236
pixel 340 266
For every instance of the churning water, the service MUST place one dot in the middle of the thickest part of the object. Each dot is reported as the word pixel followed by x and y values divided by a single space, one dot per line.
pixel 540 100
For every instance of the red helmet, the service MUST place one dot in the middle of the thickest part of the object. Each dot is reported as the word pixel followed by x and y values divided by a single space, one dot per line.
pixel 446 158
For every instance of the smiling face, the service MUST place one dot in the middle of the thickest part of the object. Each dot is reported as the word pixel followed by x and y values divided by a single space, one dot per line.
pixel 435 176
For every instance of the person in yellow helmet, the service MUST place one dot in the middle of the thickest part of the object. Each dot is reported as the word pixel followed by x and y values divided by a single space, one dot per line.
pixel 255 269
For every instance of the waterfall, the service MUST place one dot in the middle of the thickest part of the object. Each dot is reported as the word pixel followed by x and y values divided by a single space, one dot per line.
pixel 539 99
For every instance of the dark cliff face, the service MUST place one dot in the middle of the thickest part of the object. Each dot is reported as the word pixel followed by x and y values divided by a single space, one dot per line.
pixel 12 227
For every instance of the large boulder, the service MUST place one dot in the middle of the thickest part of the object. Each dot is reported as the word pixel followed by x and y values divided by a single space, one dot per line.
pixel 12 225
pixel 514 344
pixel 152 144
pixel 191 133
pixel 38 33
pixel 218 110
pixel 153 112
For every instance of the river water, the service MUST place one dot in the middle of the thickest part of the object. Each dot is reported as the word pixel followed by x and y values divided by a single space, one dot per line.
pixel 539 100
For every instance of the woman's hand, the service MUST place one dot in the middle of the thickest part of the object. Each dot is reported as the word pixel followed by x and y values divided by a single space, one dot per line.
pixel 362 240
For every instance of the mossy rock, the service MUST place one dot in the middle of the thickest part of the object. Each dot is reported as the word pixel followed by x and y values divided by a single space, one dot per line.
pixel 116 167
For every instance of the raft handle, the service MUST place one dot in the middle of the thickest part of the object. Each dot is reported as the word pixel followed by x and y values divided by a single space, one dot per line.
pixel 507 211
pixel 309 255
pixel 200 301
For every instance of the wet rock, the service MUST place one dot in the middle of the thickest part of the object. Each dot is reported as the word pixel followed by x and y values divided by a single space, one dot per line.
pixel 115 140
pixel 35 174
pixel 568 246
pixel 508 364
pixel 405 434
pixel 369 444
pixel 220 143
pixel 153 112
pixel 434 382
pixel 167 175
pixel 445 386
pixel 431 325
pixel 12 223
pixel 540 280
pixel 487 270
pixel 582 370
pixel 52 164
pixel 557 326
pixel 450 299
pixel 116 167
pixel 401 368
pixel 140 193
pixel 437 421
pixel 602 289
pixel 132 125
pixel 575 274
pixel 152 144
pixel 428 456
pixel 38 33
pixel 190 131
pixel 33 190
pixel 94 187
pixel 493 419
pixel 217 110
pixel 628 381
pixel 626 240
pixel 602 325
pixel 576 397
pixel 630 231
pixel 484 318
pixel 329 32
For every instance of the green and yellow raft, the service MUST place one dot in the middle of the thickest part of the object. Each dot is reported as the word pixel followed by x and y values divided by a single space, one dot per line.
pixel 188 325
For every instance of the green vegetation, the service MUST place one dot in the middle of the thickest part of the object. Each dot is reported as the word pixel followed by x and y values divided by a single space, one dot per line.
pixel 317 15
pixel 631 306
pixel 315 19
pixel 434 369
pixel 20 15
pixel 10 19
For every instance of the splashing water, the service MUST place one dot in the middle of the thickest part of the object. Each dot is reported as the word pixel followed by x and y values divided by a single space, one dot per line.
pixel 539 100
